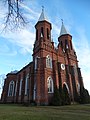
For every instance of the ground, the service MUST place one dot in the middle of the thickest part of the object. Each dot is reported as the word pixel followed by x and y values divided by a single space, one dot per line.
pixel 19 112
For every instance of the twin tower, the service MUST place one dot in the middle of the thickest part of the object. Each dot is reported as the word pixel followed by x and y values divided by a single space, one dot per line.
pixel 51 67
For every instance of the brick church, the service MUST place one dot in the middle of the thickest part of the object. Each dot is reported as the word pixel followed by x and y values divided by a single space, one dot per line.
pixel 51 66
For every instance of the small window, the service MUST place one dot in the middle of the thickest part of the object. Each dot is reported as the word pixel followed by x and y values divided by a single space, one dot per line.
pixel 50 85
pixel 11 89
pixel 48 61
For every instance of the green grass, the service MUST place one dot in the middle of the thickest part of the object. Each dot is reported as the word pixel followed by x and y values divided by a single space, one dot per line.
pixel 18 112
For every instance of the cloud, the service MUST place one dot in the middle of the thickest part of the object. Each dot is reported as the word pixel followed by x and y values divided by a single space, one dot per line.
pixel 83 53
pixel 24 39
pixel 7 50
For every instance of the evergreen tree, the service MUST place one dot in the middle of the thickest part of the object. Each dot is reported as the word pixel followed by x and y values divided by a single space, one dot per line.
pixel 84 96
pixel 56 98
pixel 66 97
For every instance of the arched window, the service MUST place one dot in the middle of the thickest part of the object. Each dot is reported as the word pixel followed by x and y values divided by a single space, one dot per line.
pixel 50 85
pixel 11 88
pixel 16 87
pixel 27 84
pixel 48 61
pixel 66 87
pixel 20 88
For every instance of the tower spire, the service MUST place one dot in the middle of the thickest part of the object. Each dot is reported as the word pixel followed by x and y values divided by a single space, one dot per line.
pixel 42 16
pixel 63 29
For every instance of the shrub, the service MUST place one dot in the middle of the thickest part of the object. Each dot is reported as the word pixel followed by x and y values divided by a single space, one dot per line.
pixel 84 96
pixel 56 98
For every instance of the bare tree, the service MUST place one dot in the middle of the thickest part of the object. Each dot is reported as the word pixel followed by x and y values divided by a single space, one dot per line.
pixel 14 17
pixel 2 78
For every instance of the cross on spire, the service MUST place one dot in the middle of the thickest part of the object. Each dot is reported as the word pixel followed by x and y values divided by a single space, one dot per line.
pixel 42 16
pixel 42 8
pixel 62 21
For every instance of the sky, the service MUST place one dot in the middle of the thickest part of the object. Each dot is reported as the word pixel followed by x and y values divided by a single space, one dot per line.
pixel 16 47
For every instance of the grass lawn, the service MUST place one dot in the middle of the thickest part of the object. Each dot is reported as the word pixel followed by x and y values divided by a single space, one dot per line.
pixel 18 112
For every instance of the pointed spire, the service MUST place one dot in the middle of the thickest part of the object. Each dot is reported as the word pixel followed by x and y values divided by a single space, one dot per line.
pixel 42 16
pixel 63 29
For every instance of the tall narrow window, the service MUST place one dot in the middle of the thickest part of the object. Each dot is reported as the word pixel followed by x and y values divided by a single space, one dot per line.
pixel 48 61
pixel 27 85
pixel 42 31
pixel 36 34
pixel 48 35
pixel 11 88
pixel 16 87
pixel 66 44
pixel 50 85
pixel 20 88
pixel 71 44
pixel 61 44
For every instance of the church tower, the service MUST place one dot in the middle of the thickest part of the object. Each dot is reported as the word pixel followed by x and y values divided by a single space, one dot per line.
pixel 42 57
pixel 72 70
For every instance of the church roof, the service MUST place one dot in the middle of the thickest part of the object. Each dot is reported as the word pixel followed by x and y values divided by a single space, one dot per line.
pixel 63 30
pixel 42 16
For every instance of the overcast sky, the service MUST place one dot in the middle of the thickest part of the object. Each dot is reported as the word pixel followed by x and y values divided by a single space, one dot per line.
pixel 16 47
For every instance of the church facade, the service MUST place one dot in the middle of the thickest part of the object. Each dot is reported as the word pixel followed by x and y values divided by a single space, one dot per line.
pixel 50 68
